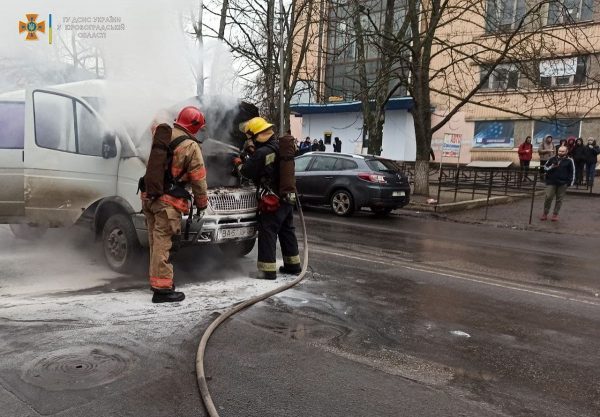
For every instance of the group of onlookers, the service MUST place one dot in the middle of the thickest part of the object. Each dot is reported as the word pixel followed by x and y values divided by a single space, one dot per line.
pixel 585 156
pixel 317 145
pixel 561 166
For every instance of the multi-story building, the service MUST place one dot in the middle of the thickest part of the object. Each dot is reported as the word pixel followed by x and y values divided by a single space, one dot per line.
pixel 548 85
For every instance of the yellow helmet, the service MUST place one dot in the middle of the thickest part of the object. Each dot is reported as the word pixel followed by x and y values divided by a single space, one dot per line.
pixel 255 126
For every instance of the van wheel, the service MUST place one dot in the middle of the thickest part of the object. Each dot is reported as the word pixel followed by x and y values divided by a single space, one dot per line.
pixel 120 243
pixel 342 203
pixel 237 249
pixel 27 232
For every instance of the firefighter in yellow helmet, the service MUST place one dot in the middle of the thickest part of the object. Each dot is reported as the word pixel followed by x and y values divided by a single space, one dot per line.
pixel 275 218
pixel 165 195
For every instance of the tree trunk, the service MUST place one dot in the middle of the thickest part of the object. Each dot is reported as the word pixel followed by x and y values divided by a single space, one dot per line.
pixel 421 177
pixel 270 63
pixel 223 21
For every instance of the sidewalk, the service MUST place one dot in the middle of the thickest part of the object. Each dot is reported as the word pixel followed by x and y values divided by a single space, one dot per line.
pixel 580 215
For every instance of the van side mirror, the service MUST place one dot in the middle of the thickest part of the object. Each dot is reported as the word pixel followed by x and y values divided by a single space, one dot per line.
pixel 109 147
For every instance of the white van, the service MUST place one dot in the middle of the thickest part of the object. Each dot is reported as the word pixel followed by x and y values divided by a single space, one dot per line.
pixel 59 166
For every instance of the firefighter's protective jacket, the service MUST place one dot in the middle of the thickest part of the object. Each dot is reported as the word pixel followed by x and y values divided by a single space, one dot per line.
pixel 187 159
pixel 263 166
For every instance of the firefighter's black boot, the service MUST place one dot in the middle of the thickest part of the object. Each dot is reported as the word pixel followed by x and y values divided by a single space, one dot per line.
pixel 292 269
pixel 167 296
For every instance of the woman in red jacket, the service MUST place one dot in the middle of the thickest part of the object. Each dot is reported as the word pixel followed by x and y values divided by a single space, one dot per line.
pixel 525 153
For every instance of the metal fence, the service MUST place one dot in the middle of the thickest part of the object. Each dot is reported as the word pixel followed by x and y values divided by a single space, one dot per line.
pixel 459 182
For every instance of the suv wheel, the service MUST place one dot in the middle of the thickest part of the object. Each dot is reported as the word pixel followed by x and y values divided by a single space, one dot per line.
pixel 120 243
pixel 342 203
pixel 237 249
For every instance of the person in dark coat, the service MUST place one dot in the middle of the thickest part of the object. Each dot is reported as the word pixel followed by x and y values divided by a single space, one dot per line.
pixel 560 174
pixel 321 146
pixel 578 154
pixel 315 146
pixel 337 145
pixel 305 146
pixel 591 160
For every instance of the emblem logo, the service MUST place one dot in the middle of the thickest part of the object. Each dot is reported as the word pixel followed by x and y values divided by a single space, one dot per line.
pixel 32 27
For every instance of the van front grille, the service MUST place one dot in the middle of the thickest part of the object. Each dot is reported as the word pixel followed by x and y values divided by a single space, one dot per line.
pixel 233 202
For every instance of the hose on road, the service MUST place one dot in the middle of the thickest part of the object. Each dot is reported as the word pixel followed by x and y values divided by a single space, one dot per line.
pixel 201 377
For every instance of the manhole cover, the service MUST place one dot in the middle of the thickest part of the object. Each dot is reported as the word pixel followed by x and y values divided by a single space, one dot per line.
pixel 78 368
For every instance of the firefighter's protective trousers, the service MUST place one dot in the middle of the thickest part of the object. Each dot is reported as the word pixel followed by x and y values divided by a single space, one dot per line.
pixel 270 227
pixel 164 233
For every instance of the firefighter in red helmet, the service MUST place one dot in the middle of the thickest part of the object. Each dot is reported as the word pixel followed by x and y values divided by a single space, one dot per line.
pixel 175 166
pixel 276 188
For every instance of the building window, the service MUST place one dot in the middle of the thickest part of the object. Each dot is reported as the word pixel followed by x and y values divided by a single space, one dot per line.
pixel 558 129
pixel 504 15
pixel 569 11
pixel 504 77
pixel 563 72
pixel 494 134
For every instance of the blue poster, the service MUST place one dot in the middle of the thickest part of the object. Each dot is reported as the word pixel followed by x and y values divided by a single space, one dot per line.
pixel 497 134
pixel 558 129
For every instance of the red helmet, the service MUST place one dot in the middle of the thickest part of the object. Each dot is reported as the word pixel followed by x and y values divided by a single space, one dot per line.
pixel 191 119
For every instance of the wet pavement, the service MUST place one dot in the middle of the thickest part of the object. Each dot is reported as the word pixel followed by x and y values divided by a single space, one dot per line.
pixel 399 316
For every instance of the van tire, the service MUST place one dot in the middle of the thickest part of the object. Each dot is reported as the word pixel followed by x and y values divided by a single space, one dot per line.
pixel 237 249
pixel 27 232
pixel 120 243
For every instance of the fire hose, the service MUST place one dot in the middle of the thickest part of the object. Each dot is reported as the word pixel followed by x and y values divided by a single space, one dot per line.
pixel 201 377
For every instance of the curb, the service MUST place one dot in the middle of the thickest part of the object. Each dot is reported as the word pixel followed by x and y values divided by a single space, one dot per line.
pixel 465 205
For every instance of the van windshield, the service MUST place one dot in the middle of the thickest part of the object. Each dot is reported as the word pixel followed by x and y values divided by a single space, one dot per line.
pixel 12 120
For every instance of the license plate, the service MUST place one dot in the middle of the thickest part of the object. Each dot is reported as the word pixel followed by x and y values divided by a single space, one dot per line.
pixel 241 232
pixel 398 194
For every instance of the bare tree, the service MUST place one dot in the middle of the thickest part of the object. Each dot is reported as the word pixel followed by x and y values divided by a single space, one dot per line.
pixel 452 55
pixel 251 34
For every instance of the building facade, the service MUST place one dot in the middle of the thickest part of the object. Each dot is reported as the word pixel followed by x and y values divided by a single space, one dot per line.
pixel 547 84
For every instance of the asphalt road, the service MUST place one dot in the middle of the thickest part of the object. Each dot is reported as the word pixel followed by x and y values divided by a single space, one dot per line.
pixel 401 316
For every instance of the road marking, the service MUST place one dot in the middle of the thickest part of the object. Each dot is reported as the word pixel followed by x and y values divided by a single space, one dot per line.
pixel 472 278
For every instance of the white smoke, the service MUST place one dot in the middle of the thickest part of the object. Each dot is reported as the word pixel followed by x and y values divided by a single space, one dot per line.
pixel 149 65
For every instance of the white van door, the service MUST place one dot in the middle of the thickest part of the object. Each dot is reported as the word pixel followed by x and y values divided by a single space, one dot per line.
pixel 71 158
pixel 12 139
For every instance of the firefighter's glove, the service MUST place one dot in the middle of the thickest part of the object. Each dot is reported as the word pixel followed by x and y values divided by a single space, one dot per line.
pixel 250 149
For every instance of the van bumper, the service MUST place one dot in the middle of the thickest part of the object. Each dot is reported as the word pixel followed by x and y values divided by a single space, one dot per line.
pixel 212 229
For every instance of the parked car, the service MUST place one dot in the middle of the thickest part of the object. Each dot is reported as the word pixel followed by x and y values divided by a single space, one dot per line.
pixel 348 182
pixel 61 164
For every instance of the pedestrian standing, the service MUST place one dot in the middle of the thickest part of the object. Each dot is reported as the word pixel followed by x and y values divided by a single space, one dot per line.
pixel 315 146
pixel 337 145
pixel 578 154
pixel 305 146
pixel 560 174
pixel 545 152
pixel 276 214
pixel 591 160
pixel 525 153
pixel 164 201
pixel 321 146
